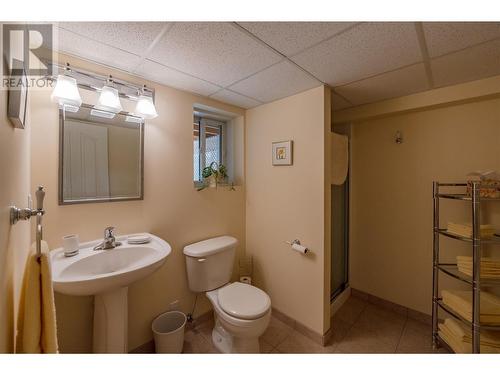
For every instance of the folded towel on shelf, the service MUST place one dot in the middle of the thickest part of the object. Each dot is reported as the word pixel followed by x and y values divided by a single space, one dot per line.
pixel 485 273
pixel 36 328
pixel 489 268
pixel 485 261
pixel 454 343
pixel 459 337
pixel 482 268
pixel 461 302
pixel 465 230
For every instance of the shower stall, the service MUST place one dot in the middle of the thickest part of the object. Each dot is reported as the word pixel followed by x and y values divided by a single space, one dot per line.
pixel 340 239
pixel 339 280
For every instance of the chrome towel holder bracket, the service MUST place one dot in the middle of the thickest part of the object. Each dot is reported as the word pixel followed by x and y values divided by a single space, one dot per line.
pixel 17 214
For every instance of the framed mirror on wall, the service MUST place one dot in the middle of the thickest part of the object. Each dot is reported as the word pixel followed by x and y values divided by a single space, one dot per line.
pixel 101 156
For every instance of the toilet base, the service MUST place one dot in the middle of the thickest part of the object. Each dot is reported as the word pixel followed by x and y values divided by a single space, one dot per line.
pixel 224 342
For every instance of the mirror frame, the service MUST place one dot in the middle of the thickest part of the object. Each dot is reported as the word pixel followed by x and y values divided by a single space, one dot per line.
pixel 62 202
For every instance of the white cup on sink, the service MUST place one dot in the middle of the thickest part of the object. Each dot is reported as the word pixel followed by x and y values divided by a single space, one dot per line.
pixel 71 245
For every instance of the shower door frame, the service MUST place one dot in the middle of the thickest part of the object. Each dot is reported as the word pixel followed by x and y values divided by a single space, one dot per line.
pixel 346 186
pixel 347 206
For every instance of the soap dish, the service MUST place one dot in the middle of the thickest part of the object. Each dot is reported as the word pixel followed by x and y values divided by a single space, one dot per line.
pixel 139 239
pixel 71 253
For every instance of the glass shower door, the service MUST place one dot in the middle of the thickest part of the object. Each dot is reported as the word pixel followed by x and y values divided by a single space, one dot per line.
pixel 340 238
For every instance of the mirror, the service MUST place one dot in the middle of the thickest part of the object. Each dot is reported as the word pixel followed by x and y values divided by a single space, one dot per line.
pixel 100 159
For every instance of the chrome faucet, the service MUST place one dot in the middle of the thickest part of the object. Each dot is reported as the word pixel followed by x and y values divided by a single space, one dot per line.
pixel 109 240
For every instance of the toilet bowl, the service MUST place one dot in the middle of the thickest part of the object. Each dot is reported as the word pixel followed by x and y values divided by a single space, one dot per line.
pixel 242 312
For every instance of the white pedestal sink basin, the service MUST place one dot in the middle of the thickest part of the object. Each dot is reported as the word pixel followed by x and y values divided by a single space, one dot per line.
pixel 106 274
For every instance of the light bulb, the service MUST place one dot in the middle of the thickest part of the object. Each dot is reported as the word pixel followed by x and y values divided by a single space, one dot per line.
pixel 145 107
pixel 66 92
pixel 109 100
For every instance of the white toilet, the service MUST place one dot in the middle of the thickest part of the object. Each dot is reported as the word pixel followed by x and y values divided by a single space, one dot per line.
pixel 242 311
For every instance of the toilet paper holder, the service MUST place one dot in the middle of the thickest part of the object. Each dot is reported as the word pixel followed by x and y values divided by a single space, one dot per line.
pixel 295 244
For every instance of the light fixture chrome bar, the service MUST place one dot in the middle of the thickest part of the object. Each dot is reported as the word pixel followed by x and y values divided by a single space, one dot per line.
pixel 119 84
pixel 123 113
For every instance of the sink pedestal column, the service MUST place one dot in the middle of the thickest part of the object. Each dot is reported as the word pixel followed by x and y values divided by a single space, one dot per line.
pixel 111 322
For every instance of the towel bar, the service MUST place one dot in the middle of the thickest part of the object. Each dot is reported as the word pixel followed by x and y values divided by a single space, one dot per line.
pixel 17 214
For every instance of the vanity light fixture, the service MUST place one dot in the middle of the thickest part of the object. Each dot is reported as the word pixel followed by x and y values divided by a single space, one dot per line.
pixel 145 107
pixel 103 114
pixel 66 92
pixel 134 119
pixel 110 92
pixel 109 100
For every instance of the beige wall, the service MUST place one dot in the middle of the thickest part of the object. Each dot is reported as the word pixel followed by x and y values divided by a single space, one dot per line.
pixel 327 206
pixel 391 201
pixel 486 88
pixel 171 209
pixel 288 202
pixel 14 240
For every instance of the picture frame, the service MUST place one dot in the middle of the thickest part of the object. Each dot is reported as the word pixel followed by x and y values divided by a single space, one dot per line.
pixel 18 97
pixel 282 153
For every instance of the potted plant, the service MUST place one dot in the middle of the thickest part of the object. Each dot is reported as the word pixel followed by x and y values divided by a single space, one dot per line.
pixel 214 174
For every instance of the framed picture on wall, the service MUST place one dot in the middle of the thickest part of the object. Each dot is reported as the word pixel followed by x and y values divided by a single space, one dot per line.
pixel 18 97
pixel 283 153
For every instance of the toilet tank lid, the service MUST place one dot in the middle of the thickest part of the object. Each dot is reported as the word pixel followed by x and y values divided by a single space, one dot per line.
pixel 210 246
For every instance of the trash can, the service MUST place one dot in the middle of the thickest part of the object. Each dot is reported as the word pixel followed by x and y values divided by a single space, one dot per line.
pixel 168 332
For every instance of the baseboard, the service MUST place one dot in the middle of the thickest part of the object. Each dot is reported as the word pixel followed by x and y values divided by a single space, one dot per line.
pixel 146 348
pixel 337 303
pixel 149 347
pixel 306 331
pixel 199 320
pixel 400 309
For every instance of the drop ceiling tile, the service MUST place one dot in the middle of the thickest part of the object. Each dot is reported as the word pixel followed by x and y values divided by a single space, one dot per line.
pixel 74 44
pixel 467 65
pixel 215 51
pixel 166 76
pixel 445 37
pixel 276 82
pixel 365 50
pixel 236 99
pixel 397 83
pixel 339 102
pixel 292 37
pixel 133 37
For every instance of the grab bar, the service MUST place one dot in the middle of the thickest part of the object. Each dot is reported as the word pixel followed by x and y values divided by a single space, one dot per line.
pixel 17 214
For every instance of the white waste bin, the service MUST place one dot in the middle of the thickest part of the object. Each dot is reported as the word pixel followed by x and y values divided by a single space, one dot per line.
pixel 168 331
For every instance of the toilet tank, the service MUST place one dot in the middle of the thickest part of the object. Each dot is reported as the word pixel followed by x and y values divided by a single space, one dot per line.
pixel 209 263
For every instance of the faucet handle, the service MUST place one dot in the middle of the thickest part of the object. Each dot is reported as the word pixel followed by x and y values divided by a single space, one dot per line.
pixel 108 232
pixel 40 195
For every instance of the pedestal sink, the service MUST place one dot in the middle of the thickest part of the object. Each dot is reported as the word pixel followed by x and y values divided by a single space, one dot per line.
pixel 106 274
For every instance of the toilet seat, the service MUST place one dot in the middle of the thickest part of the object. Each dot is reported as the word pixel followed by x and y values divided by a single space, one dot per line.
pixel 243 301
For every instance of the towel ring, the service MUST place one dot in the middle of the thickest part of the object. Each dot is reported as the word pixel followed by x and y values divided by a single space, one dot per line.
pixel 17 214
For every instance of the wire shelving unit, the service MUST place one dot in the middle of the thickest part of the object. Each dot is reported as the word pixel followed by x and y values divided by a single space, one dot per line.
pixel 451 269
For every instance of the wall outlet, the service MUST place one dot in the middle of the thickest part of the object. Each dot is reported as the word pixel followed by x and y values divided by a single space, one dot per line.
pixel 174 306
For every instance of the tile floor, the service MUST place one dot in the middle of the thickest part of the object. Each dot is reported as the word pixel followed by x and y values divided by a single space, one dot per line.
pixel 358 327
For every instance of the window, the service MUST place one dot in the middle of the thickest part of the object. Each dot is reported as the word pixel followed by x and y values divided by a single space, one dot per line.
pixel 207 144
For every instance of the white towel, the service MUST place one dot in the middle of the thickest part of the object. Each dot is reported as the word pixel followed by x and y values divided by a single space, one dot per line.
pixel 465 230
pixel 461 302
pixel 36 327
pixel 340 158
pixel 459 337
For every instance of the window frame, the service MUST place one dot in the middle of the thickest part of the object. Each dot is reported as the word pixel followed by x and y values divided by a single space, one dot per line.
pixel 202 123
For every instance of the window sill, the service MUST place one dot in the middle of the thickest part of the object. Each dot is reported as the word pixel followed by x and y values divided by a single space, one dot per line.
pixel 200 186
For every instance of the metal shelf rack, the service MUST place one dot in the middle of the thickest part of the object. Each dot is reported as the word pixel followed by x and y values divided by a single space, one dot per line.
pixel 451 269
